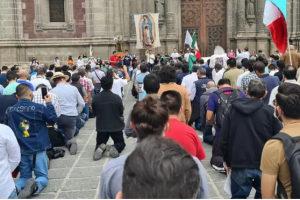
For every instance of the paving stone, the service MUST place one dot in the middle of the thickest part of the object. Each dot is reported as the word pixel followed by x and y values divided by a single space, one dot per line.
pixel 89 194
pixel 53 185
pixel 81 184
pixel 62 163
pixel 88 148
pixel 86 172
pixel 86 162
pixel 58 173
pixel 217 177
pixel 44 196
pixel 212 192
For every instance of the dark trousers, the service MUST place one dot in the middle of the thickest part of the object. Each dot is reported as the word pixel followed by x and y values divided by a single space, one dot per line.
pixel 150 67
pixel 67 124
pixel 207 135
pixel 217 154
pixel 242 181
pixel 117 137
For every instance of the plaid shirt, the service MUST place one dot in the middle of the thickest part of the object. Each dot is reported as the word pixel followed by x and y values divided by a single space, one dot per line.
pixel 246 80
pixel 85 84
pixel 38 98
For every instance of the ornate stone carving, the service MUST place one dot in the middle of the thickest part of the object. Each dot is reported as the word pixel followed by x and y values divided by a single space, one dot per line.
pixel 260 27
pixel 170 23
pixel 215 13
pixel 250 12
pixel 160 8
pixel 241 16
pixel 132 25
pixel 214 38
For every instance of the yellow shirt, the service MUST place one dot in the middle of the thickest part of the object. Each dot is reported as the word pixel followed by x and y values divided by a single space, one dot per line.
pixel 233 75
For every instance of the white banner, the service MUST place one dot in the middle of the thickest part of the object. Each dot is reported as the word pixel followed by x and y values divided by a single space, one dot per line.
pixel 147 31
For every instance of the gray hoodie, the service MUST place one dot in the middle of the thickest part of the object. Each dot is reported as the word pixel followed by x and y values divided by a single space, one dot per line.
pixel 203 105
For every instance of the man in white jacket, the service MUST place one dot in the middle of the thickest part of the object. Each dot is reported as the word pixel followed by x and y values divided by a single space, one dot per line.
pixel 10 156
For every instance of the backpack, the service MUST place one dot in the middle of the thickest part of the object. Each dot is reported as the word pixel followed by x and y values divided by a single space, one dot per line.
pixel 292 153
pixel 224 103
pixel 57 139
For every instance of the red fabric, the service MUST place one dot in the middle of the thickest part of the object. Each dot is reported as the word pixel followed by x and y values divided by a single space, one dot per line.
pixel 186 137
pixel 114 59
pixel 197 54
pixel 278 30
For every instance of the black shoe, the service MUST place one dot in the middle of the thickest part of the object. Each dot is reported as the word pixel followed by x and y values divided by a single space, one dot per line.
pixel 28 190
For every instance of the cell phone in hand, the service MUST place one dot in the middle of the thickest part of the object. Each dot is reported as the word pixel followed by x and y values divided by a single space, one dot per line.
pixel 44 92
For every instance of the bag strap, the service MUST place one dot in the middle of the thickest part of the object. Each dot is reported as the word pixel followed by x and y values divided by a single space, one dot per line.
pixel 97 76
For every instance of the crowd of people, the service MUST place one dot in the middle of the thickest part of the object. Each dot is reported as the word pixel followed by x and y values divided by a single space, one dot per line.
pixel 246 105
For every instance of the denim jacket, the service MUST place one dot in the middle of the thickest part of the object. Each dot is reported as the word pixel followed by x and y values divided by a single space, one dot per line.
pixel 29 121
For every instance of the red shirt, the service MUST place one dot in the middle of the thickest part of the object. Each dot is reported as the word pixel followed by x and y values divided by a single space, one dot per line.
pixel 114 59
pixel 186 137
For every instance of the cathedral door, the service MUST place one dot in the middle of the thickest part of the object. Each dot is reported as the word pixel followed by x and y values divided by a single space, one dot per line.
pixel 206 19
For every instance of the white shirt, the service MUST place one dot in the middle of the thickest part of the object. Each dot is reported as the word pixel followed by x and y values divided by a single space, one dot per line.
pixel 272 73
pixel 117 86
pixel 275 91
pixel 149 60
pixel 80 63
pixel 188 81
pixel 175 55
pixel 38 81
pixel 218 59
pixel 186 56
pixel 93 63
pixel 217 76
pixel 239 80
pixel 241 56
pixel 10 156
pixel 38 98
pixel 57 63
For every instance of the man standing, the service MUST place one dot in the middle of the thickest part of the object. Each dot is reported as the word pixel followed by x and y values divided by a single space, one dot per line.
pixel 246 66
pixel 295 57
pixel 189 80
pixel 248 123
pixel 40 79
pixel 140 80
pixel 12 83
pixel 233 73
pixel 242 55
pixel 168 82
pixel 3 80
pixel 10 156
pixel 247 78
pixel 29 122
pixel 217 73
pixel 23 78
pixel 150 60
pixel 271 81
pixel 96 76
pixel 114 59
pixel 175 55
pixel 185 135
pixel 71 104
pixel 187 55
pixel 128 63
pixel 218 104
pixel 199 87
pixel 108 108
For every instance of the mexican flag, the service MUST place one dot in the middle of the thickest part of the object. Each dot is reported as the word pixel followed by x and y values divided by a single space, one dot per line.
pixel 192 59
pixel 195 47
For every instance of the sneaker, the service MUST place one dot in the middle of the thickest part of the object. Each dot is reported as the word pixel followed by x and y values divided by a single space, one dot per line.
pixel 99 152
pixel 73 147
pixel 28 190
pixel 106 152
pixel 113 152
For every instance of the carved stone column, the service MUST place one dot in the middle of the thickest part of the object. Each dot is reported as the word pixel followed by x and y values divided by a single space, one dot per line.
pixel 260 27
pixel 170 18
pixel 241 16
pixel 295 6
pixel 133 11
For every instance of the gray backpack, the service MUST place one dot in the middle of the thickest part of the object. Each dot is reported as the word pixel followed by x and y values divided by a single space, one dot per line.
pixel 292 153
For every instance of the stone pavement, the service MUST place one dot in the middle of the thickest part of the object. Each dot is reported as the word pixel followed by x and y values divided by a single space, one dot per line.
pixel 77 177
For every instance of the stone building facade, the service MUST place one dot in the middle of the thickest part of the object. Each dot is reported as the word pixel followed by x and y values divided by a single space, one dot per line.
pixel 49 28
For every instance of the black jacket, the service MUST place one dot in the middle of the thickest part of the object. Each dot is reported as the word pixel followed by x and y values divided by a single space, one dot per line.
pixel 249 124
pixel 6 102
pixel 108 108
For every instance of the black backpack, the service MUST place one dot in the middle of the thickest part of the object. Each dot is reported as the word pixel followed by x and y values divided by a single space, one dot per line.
pixel 224 103
pixel 57 139
pixel 292 153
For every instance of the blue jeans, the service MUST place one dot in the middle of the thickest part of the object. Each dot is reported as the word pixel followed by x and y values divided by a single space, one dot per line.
pixel 13 194
pixel 242 181
pixel 86 111
pixel 40 171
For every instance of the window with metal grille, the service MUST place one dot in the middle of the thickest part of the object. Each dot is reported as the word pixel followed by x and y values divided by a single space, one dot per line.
pixel 57 10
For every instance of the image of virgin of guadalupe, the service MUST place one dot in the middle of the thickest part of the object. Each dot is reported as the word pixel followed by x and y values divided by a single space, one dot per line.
pixel 147 33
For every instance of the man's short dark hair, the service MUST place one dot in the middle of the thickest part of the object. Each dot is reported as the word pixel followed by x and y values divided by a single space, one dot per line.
pixel 57 69
pixel 231 62
pixel 151 84
pixel 185 68
pixel 280 65
pixel 65 68
pixel 40 86
pixel 40 73
pixel 23 90
pixel 49 74
pixel 11 75
pixel 260 58
pixel 257 88
pixel 266 62
pixel 244 60
pixel 126 51
pixel 288 99
pixel 160 168
pixel 4 68
pixel 81 72
pixel 114 52
pixel 201 61
pixel 75 77
pixel 173 100
pixel 218 66
pixel 246 49
pixel 259 66
pixel 168 75
pixel 143 68
pixel 290 72
pixel 74 67
pixel 178 65
pixel 246 64
pixel 195 68
pixel 107 82
pixel 259 51
pixel 224 81
pixel 149 117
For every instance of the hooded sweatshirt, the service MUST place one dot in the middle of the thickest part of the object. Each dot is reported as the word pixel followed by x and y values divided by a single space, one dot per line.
pixel 249 124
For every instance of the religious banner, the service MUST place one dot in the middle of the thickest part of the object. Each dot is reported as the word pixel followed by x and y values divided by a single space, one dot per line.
pixel 147 30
